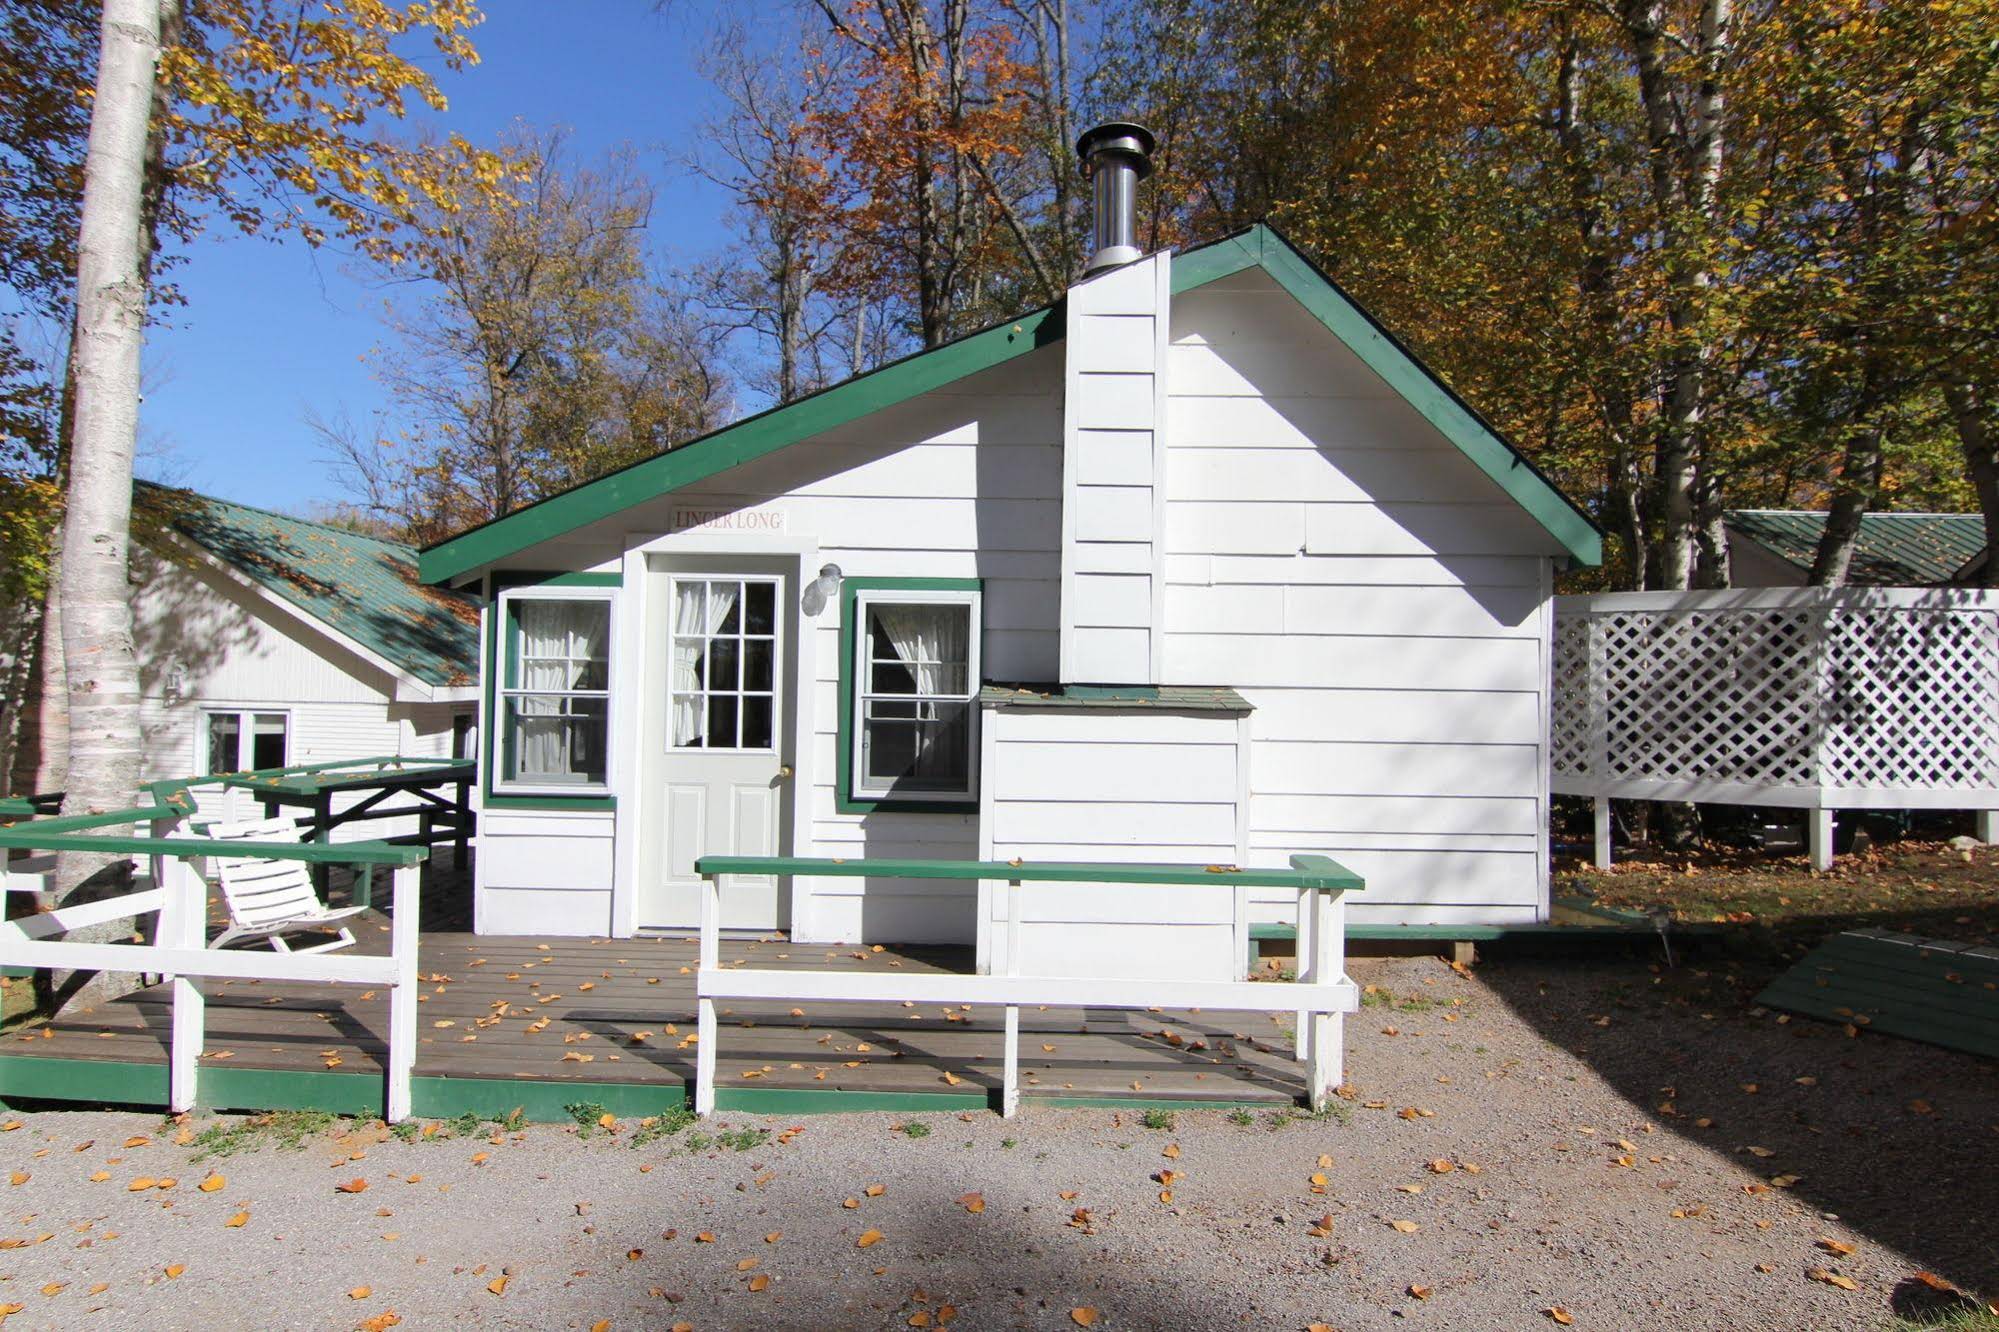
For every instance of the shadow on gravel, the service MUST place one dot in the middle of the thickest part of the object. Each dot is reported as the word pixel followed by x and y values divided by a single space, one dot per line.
pixel 1900 1140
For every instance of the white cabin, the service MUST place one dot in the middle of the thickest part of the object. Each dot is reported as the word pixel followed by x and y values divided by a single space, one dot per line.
pixel 1198 565
pixel 266 641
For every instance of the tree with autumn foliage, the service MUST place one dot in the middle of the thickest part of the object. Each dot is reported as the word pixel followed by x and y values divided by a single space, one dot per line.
pixel 257 114
pixel 535 348
pixel 924 132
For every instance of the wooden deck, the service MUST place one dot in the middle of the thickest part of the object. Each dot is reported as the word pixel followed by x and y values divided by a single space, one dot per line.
pixel 544 1023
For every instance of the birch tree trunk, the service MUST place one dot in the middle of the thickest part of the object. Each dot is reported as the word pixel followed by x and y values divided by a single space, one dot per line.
pixel 100 668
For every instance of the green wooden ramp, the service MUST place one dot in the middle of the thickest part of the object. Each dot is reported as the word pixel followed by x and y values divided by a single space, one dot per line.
pixel 1924 989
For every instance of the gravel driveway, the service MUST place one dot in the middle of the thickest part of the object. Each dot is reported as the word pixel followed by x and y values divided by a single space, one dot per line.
pixel 1628 1148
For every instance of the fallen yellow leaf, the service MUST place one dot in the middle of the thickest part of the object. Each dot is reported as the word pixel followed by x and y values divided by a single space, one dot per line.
pixel 360 1292
pixel 1406 1227
pixel 1559 1314
pixel 498 1285
pixel 212 1184
pixel 1083 1316
pixel 175 1269
pixel 760 1281
pixel 237 1222
pixel 869 1238
pixel 973 1203
pixel 352 1186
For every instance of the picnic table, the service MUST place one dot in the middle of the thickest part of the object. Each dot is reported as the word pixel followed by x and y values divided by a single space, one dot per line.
pixel 442 789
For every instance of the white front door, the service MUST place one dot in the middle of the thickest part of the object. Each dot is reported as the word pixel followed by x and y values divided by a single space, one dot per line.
pixel 717 776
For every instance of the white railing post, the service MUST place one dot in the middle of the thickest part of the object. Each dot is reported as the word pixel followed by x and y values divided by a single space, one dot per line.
pixel 1603 829
pixel 183 923
pixel 1327 1068
pixel 1988 826
pixel 402 994
pixel 710 958
pixel 1300 965
pixel 1820 838
pixel 1010 1074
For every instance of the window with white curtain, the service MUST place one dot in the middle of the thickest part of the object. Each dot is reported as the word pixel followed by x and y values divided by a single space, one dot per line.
pixel 916 684
pixel 555 692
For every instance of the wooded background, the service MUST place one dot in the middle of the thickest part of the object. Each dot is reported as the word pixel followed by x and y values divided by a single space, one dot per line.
pixel 1688 254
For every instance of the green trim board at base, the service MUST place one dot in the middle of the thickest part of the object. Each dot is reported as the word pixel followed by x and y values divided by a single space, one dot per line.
pixel 122 1082
pixel 817 1101
pixel 844 799
pixel 1308 873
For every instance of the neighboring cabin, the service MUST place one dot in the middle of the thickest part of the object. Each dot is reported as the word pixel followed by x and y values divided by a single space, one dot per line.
pixel 1198 565
pixel 1775 548
pixel 271 641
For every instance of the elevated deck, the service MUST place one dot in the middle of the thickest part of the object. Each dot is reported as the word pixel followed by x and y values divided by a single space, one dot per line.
pixel 541 1024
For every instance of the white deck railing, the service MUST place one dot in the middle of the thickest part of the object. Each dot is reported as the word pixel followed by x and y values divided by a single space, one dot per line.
pixel 180 951
pixel 1321 997
pixel 1811 698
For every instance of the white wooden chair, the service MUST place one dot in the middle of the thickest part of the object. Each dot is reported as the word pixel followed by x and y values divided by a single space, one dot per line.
pixel 271 898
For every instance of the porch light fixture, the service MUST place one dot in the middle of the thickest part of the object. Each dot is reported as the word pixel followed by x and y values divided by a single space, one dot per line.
pixel 821 589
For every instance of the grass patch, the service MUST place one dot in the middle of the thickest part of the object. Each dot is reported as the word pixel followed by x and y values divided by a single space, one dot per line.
pixel 286 1130
pixel 1335 1110
pixel 588 1116
pixel 745 1139
pixel 1961 1320
pixel 915 1129
pixel 666 1125
pixel 1241 1118
pixel 1925 888
pixel 1159 1120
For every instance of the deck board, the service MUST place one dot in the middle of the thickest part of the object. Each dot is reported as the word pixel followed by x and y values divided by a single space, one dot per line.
pixel 639 1007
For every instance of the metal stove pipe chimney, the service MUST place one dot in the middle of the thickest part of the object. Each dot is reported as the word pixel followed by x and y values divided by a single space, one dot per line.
pixel 1117 156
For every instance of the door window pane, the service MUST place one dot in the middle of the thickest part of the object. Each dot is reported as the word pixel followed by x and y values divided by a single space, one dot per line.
pixel 721 689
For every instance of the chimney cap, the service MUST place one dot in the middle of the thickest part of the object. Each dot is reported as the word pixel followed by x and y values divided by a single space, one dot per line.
pixel 1119 136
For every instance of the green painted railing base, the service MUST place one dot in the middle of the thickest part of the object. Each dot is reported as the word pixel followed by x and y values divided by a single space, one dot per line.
pixel 115 1082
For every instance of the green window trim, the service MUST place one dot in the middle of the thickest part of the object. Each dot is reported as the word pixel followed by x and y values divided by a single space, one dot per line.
pixel 844 799
pixel 498 664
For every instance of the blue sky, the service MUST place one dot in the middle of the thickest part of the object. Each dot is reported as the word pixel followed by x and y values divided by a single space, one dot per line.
pixel 275 331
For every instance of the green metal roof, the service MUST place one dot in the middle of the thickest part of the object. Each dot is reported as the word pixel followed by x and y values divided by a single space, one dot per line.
pixel 1894 549
pixel 361 587
pixel 1161 698
pixel 1258 246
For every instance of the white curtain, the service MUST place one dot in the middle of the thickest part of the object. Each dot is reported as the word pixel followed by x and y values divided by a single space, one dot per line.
pixel 693 621
pixel 932 642
pixel 562 648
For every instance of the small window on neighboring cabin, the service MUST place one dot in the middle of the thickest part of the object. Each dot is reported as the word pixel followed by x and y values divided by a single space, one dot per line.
pixel 915 705
pixel 240 741
pixel 555 693
pixel 464 736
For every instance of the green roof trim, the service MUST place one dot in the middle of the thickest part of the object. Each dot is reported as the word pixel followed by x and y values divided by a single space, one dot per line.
pixel 1260 246
pixel 1263 246
pixel 1893 549
pixel 365 589
pixel 1158 698
pixel 753 437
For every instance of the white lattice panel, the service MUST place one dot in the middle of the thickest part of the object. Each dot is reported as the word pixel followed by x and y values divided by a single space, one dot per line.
pixel 1778 694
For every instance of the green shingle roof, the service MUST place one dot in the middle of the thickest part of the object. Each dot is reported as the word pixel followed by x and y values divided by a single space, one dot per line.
pixel 1894 549
pixel 362 587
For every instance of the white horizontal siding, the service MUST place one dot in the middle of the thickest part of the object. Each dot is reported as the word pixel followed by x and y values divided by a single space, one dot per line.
pixel 1379 601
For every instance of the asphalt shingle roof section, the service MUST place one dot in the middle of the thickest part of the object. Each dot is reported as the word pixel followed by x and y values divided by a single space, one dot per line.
pixel 1894 549
pixel 365 588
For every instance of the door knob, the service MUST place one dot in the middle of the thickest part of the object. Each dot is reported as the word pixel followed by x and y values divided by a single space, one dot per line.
pixel 784 772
